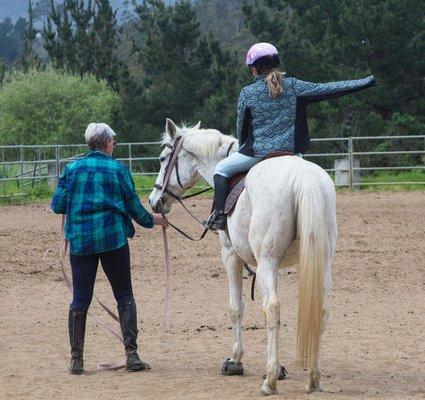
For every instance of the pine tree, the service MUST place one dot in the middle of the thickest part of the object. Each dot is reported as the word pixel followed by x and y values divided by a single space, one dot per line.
pixel 67 38
pixel 104 28
pixel 82 39
pixel 172 60
pixel 3 70
pixel 29 59
pixel 343 39
pixel 51 44
pixel 8 48
pixel 84 36
pixel 58 39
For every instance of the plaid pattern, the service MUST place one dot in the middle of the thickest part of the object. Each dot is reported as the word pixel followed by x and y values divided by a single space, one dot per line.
pixel 98 196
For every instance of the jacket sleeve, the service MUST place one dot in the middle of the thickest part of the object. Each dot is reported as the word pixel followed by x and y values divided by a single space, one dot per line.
pixel 311 92
pixel 241 125
pixel 132 202
pixel 59 198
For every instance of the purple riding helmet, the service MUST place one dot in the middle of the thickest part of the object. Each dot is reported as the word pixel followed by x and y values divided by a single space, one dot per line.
pixel 260 50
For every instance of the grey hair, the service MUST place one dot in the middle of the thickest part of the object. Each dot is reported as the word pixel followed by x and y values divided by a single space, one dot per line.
pixel 97 135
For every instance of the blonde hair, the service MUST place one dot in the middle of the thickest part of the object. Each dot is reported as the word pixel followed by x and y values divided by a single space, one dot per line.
pixel 274 80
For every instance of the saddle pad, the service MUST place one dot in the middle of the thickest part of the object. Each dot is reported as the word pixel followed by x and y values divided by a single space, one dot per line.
pixel 237 183
pixel 235 192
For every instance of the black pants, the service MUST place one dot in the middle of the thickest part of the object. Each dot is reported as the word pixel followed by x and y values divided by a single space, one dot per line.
pixel 115 263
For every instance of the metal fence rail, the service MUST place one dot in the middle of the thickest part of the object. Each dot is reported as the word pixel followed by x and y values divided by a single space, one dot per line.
pixel 24 165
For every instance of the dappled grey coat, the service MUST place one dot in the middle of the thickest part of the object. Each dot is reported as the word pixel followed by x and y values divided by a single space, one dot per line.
pixel 266 124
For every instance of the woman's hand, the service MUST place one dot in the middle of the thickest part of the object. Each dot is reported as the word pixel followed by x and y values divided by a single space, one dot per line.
pixel 158 219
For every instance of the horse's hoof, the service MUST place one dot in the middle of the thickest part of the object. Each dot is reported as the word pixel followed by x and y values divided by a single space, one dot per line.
pixel 314 388
pixel 230 368
pixel 314 384
pixel 283 373
pixel 267 390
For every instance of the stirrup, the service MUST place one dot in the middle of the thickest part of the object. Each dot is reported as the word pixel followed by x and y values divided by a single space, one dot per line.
pixel 216 221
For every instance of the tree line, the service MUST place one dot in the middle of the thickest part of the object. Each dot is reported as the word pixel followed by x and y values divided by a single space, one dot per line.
pixel 185 61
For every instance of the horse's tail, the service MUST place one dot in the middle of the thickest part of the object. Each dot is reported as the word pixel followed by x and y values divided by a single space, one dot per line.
pixel 313 252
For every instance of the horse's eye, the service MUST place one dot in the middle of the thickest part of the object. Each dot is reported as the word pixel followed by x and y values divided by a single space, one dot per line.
pixel 161 159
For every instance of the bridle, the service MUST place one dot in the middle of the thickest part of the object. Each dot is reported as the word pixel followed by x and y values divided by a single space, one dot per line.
pixel 173 164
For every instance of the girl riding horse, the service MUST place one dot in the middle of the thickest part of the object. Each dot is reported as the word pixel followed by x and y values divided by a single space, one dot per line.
pixel 271 116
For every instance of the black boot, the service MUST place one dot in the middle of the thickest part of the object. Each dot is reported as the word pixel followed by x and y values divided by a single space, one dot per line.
pixel 217 220
pixel 77 330
pixel 128 321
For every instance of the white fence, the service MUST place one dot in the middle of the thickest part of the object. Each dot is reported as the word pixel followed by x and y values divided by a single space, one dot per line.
pixel 26 165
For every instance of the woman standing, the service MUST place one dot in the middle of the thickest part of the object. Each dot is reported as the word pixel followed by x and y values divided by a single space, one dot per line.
pixel 271 116
pixel 98 196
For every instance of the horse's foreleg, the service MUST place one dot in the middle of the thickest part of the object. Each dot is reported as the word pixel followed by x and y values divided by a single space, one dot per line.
pixel 234 266
pixel 267 280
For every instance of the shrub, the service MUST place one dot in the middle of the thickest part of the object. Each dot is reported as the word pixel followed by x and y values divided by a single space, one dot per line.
pixel 47 107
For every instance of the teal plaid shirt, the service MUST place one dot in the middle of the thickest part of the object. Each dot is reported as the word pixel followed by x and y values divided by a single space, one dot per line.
pixel 98 196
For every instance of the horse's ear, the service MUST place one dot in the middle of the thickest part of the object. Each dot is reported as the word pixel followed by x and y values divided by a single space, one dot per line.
pixel 170 127
pixel 197 126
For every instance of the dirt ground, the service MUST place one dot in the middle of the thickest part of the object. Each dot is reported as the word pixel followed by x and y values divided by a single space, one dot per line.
pixel 373 346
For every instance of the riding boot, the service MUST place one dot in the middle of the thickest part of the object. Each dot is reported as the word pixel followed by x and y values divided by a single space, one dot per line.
pixel 77 330
pixel 128 320
pixel 217 220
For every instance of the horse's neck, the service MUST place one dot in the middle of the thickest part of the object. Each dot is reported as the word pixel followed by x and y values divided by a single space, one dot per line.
pixel 206 165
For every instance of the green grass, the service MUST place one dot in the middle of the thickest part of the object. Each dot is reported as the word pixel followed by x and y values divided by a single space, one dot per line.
pixel 144 185
pixel 398 179
pixel 29 194
pixel 11 193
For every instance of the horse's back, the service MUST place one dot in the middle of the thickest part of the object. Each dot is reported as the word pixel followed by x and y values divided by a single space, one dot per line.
pixel 274 179
pixel 275 188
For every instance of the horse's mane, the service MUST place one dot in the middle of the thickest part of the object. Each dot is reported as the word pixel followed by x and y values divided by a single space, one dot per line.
pixel 203 142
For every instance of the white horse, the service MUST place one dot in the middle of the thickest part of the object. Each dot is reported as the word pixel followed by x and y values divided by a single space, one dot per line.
pixel 285 216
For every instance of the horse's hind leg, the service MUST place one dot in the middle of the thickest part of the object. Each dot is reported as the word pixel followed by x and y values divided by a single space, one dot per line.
pixel 315 375
pixel 267 280
pixel 234 266
pixel 314 381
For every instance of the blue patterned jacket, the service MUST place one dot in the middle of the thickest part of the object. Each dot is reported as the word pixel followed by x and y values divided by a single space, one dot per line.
pixel 266 124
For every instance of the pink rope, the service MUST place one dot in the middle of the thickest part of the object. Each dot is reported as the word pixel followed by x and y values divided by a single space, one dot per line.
pixel 167 278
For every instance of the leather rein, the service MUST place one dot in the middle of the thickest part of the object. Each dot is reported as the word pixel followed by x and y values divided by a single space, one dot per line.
pixel 174 165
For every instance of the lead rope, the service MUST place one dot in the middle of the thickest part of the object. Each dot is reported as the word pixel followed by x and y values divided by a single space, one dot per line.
pixel 167 277
pixel 62 254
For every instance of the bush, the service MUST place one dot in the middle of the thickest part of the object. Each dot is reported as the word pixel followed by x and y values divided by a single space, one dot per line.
pixel 49 107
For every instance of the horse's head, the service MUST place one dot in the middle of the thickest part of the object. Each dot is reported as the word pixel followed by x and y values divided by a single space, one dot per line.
pixel 178 170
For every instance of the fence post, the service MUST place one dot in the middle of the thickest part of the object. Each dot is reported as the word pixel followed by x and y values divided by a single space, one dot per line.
pixel 4 170
pixel 350 157
pixel 57 155
pixel 21 161
pixel 130 163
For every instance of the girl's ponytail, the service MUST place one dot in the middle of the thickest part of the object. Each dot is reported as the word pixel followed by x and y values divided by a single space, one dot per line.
pixel 275 82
